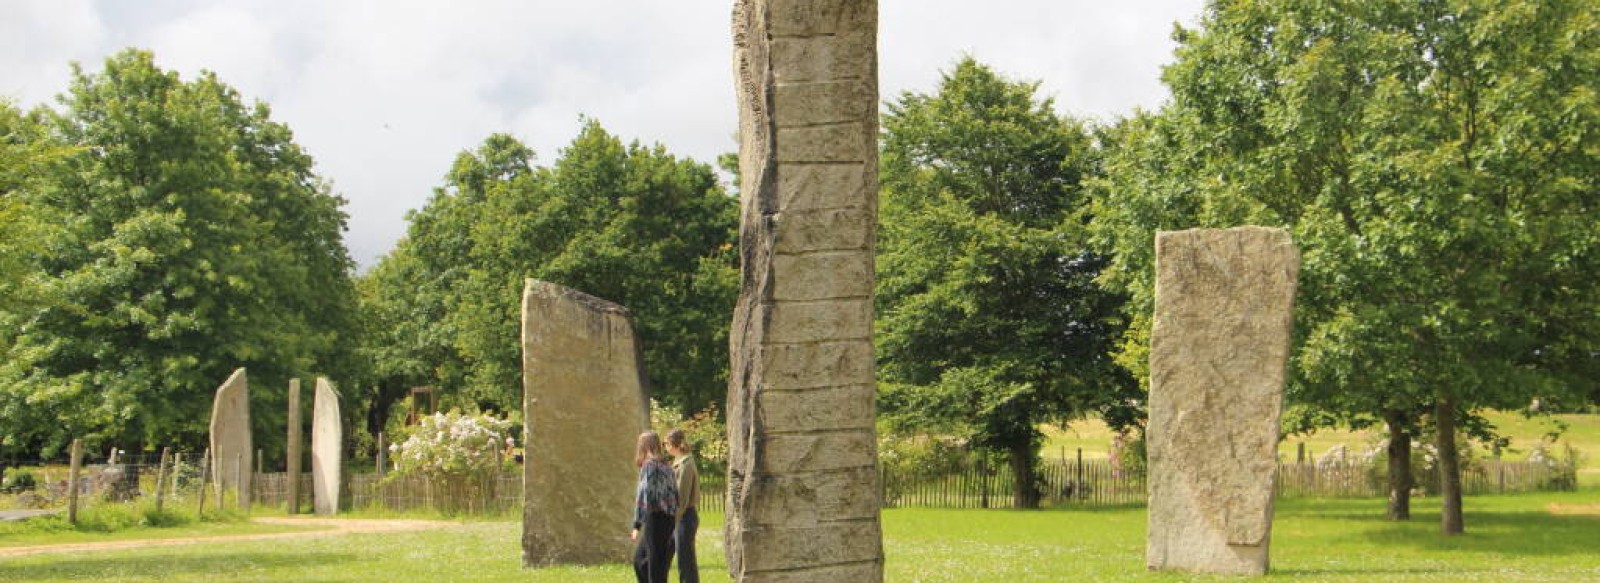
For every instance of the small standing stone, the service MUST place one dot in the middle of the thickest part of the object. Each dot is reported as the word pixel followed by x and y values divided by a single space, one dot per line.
pixel 231 445
pixel 327 446
pixel 585 401
pixel 1218 352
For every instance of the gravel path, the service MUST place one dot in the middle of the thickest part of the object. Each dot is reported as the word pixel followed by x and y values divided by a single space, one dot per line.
pixel 335 527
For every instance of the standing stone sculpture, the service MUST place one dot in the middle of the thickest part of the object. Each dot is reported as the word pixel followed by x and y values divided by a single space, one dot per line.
pixel 327 447
pixel 231 446
pixel 585 402
pixel 292 472
pixel 1218 352
pixel 802 477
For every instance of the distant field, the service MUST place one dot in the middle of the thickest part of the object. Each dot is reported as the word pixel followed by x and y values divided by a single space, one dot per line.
pixel 1528 537
pixel 1583 433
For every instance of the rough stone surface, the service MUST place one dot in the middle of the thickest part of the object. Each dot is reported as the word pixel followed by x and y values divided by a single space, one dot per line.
pixel 292 473
pixel 1218 352
pixel 585 400
pixel 327 447
pixel 803 485
pixel 231 447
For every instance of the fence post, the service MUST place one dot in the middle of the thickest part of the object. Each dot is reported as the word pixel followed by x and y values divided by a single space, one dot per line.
pixel 383 456
pixel 72 481
pixel 1077 489
pixel 177 462
pixel 205 472
pixel 161 476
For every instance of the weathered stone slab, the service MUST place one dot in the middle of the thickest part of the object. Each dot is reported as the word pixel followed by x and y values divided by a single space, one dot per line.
pixel 231 446
pixel 1218 352
pixel 585 401
pixel 803 486
pixel 327 449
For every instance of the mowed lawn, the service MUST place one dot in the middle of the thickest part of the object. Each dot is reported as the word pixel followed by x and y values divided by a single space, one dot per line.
pixel 1544 537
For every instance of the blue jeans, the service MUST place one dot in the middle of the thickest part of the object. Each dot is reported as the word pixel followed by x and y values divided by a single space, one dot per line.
pixel 683 539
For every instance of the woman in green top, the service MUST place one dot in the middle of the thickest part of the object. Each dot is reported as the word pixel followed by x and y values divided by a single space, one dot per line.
pixel 688 518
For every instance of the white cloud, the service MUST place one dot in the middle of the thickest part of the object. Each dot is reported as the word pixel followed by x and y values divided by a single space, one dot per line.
pixel 385 93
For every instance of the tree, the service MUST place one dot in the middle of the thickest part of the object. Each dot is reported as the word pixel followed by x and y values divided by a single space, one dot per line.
pixel 194 239
pixel 989 320
pixel 1435 161
pixel 627 223
pixel 27 153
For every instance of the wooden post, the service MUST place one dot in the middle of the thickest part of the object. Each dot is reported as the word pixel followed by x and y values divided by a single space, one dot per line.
pixel 177 462
pixel 205 471
pixel 1078 489
pixel 72 481
pixel 293 476
pixel 383 456
pixel 1300 455
pixel 161 476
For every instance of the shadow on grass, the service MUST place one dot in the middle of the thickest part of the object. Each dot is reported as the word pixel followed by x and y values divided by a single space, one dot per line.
pixel 166 565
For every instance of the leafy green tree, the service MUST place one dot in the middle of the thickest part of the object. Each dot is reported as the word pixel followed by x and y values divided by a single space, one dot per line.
pixel 989 321
pixel 1436 163
pixel 628 223
pixel 194 239
pixel 27 152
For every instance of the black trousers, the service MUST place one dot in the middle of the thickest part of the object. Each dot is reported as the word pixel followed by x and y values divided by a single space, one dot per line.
pixel 683 540
pixel 652 556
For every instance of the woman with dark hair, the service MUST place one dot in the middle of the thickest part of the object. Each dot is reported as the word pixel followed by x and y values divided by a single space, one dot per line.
pixel 655 502
pixel 688 519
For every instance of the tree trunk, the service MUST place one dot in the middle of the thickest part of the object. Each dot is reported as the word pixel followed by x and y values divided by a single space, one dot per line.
pixel 1401 480
pixel 1024 492
pixel 1450 521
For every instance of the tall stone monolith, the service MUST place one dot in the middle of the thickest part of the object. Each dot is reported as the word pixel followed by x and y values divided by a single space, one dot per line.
pixel 585 401
pixel 327 449
pixel 803 478
pixel 1218 352
pixel 231 446
pixel 292 472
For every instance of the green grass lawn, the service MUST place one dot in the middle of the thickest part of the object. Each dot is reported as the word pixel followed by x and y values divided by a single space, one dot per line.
pixel 1509 538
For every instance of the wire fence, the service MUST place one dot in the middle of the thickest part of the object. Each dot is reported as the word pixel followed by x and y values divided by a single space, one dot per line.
pixel 968 483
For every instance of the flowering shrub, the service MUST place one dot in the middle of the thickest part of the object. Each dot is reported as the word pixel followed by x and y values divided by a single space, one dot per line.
pixel 705 431
pixel 449 445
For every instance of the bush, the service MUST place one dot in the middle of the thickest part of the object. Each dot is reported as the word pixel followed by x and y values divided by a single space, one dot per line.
pixel 451 445
pixel 19 480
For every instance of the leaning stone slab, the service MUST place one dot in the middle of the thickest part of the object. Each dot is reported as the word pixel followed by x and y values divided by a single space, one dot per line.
pixel 584 403
pixel 327 441
pixel 231 447
pixel 1218 351
pixel 803 484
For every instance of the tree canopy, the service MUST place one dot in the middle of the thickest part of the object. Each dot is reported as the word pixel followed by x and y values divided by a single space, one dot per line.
pixel 629 223
pixel 194 238
pixel 1435 161
pixel 989 321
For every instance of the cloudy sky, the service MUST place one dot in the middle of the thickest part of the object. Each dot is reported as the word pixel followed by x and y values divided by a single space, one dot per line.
pixel 384 93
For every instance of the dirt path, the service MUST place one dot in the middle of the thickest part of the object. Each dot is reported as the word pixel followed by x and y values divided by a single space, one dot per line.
pixel 336 527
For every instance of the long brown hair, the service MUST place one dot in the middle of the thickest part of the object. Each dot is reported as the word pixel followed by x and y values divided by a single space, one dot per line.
pixel 649 448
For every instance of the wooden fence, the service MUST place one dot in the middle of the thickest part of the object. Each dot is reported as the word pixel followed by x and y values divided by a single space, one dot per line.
pixel 968 484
